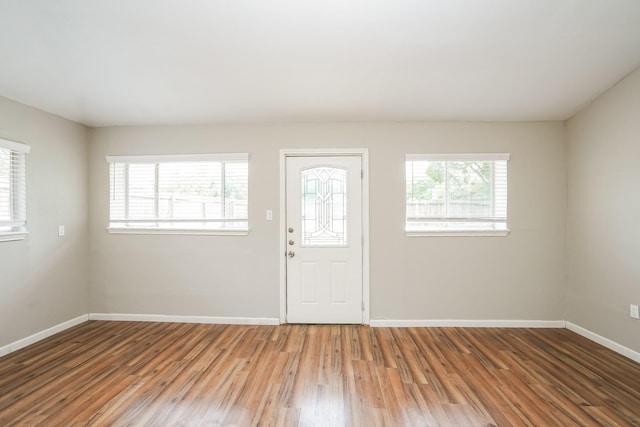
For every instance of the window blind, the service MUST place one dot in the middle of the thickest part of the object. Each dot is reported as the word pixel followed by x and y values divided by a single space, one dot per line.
pixel 13 205
pixel 456 192
pixel 181 192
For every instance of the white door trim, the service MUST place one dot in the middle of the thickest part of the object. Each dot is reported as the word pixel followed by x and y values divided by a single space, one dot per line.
pixel 364 154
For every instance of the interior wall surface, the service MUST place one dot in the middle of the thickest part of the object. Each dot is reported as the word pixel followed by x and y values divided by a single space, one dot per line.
pixel 603 211
pixel 44 278
pixel 520 276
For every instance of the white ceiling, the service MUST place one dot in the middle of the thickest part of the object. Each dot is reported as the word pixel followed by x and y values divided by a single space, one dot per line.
pixel 123 62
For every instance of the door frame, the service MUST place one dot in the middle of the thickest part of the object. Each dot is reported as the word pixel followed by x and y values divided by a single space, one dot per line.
pixel 363 153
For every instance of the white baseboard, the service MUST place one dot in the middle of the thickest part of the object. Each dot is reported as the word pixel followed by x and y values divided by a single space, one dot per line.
pixel 376 323
pixel 39 336
pixel 606 342
pixel 450 323
pixel 124 317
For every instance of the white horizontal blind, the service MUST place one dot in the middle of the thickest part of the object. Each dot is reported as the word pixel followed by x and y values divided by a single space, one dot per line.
pixel 193 192
pixel 13 206
pixel 460 192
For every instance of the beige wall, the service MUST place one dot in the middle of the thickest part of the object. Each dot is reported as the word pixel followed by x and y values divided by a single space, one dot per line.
pixel 604 214
pixel 44 278
pixel 521 276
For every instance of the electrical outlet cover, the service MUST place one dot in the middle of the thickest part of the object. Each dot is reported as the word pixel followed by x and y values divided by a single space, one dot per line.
pixel 633 311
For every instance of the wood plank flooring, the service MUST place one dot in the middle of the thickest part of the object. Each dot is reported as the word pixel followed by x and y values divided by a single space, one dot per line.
pixel 172 374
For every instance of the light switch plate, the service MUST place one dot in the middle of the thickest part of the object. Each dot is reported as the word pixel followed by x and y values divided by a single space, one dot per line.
pixel 633 311
pixel 61 230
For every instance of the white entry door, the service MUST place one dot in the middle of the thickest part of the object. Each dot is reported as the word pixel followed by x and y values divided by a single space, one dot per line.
pixel 324 239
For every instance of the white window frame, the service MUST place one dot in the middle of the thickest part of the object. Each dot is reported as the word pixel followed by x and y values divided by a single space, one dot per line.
pixel 146 159
pixel 449 232
pixel 18 193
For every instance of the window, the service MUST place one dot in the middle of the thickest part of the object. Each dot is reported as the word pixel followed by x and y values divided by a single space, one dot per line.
pixel 456 194
pixel 179 194
pixel 324 207
pixel 13 204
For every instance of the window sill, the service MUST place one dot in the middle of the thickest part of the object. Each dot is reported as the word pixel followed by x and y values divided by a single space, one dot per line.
pixel 460 233
pixel 184 232
pixel 13 236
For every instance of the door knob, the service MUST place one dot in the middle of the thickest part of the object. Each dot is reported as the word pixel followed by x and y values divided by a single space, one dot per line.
pixel 291 242
pixel 290 229
pixel 291 254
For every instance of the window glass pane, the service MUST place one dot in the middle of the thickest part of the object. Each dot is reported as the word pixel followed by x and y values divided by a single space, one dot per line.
pixel 324 207
pixel 189 190
pixel 179 194
pixel 13 207
pixel 117 190
pixel 5 181
pixel 456 194
pixel 141 191
pixel 469 188
pixel 236 190
pixel 18 189
pixel 500 189
pixel 425 189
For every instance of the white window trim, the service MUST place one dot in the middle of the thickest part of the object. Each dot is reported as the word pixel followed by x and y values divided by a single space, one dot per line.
pixel 461 157
pixel 15 146
pixel 12 236
pixel 184 232
pixel 461 233
pixel 227 157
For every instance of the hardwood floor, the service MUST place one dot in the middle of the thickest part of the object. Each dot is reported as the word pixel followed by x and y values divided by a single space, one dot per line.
pixel 171 374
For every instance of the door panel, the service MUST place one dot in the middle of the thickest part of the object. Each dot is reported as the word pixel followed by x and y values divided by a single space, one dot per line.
pixel 324 239
pixel 339 282
pixel 309 282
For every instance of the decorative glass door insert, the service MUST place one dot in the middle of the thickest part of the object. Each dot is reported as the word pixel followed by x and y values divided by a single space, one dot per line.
pixel 324 207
